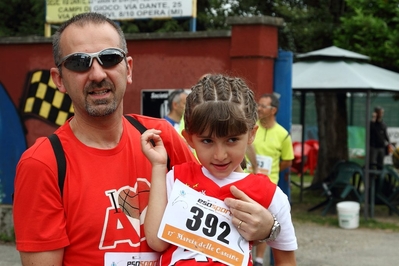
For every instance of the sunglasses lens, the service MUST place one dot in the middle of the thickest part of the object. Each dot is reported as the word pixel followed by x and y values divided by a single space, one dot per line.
pixel 78 62
pixel 81 62
pixel 111 57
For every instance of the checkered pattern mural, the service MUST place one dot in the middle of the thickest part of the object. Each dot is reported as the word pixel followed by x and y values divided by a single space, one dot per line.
pixel 45 101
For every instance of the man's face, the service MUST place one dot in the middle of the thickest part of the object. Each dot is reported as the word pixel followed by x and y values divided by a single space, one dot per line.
pixel 380 114
pixel 98 91
pixel 181 104
pixel 265 109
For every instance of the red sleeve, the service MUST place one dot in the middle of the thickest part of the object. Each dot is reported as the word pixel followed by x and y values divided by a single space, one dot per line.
pixel 40 224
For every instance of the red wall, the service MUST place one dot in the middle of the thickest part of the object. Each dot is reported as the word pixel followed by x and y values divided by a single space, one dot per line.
pixel 161 61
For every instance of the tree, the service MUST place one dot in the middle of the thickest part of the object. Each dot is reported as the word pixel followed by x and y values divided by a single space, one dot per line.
pixel 371 27
pixel 21 18
pixel 332 132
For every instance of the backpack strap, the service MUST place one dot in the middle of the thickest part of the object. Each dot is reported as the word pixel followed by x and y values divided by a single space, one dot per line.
pixel 60 157
pixel 140 127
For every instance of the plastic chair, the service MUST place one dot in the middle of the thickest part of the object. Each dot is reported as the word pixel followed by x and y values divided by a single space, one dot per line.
pixel 296 162
pixel 387 189
pixel 312 156
pixel 345 179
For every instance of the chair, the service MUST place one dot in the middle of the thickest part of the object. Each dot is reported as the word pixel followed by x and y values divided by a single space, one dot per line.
pixel 313 154
pixel 344 181
pixel 296 162
pixel 387 189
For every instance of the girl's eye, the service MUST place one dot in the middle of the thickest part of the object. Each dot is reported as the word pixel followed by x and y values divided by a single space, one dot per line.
pixel 206 141
pixel 233 140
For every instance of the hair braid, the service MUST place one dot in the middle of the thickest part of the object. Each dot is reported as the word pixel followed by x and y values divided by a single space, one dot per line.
pixel 222 104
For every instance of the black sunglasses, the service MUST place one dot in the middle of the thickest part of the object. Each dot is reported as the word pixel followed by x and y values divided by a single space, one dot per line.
pixel 81 62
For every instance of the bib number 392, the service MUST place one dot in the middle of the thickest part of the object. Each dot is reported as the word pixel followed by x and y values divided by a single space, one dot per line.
pixel 211 223
pixel 202 224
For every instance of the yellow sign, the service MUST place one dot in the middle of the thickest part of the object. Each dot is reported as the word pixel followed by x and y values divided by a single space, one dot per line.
pixel 58 11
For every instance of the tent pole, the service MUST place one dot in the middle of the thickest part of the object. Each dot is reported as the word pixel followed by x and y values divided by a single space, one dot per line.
pixel 302 114
pixel 367 157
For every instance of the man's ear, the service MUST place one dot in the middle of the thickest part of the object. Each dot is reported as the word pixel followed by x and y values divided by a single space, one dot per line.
pixel 188 137
pixel 129 65
pixel 252 134
pixel 57 79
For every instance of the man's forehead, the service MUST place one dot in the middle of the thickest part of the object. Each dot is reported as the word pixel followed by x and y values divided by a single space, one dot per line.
pixel 86 37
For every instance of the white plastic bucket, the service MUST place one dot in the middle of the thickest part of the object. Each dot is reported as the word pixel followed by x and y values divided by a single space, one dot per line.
pixel 348 214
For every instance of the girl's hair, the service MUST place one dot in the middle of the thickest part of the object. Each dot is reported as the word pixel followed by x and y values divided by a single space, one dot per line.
pixel 221 105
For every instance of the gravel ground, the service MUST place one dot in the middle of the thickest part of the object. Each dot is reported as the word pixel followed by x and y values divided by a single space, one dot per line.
pixel 318 246
pixel 332 246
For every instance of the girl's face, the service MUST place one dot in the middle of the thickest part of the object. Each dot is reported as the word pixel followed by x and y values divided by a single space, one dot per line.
pixel 221 156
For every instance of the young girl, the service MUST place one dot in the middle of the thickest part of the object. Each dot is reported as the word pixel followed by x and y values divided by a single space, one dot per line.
pixel 220 122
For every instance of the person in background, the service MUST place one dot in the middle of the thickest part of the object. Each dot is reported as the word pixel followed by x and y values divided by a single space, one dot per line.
pixel 98 217
pixel 176 104
pixel 373 116
pixel 220 122
pixel 379 141
pixel 271 152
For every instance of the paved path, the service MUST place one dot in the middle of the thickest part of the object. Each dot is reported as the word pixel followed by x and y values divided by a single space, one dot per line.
pixel 333 246
pixel 9 256
pixel 318 246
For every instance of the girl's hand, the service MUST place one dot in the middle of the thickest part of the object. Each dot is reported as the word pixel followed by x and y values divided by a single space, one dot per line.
pixel 156 154
pixel 252 220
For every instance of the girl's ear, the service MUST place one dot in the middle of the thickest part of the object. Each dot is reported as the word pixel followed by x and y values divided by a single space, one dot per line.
pixel 188 137
pixel 252 134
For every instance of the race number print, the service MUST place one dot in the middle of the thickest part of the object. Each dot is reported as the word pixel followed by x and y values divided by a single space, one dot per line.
pixel 202 224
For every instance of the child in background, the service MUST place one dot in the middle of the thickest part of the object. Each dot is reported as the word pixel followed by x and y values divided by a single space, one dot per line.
pixel 220 122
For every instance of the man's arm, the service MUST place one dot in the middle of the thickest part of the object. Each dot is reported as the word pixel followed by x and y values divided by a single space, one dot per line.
pixel 285 164
pixel 53 258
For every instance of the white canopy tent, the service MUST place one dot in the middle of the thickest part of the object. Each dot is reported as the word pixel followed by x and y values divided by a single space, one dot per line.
pixel 336 69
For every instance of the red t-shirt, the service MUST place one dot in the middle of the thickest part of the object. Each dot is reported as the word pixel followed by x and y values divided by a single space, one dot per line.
pixel 105 194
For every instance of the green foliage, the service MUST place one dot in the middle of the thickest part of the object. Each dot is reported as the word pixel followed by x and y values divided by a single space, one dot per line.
pixel 371 27
pixel 307 28
pixel 22 18
pixel 155 25
pixel 8 238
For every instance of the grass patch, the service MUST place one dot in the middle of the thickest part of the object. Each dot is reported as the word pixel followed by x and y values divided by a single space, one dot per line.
pixel 8 238
pixel 311 197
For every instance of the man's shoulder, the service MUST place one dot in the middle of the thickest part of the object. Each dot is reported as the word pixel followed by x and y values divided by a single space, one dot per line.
pixel 146 118
pixel 157 123
pixel 167 118
pixel 279 129
pixel 40 150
